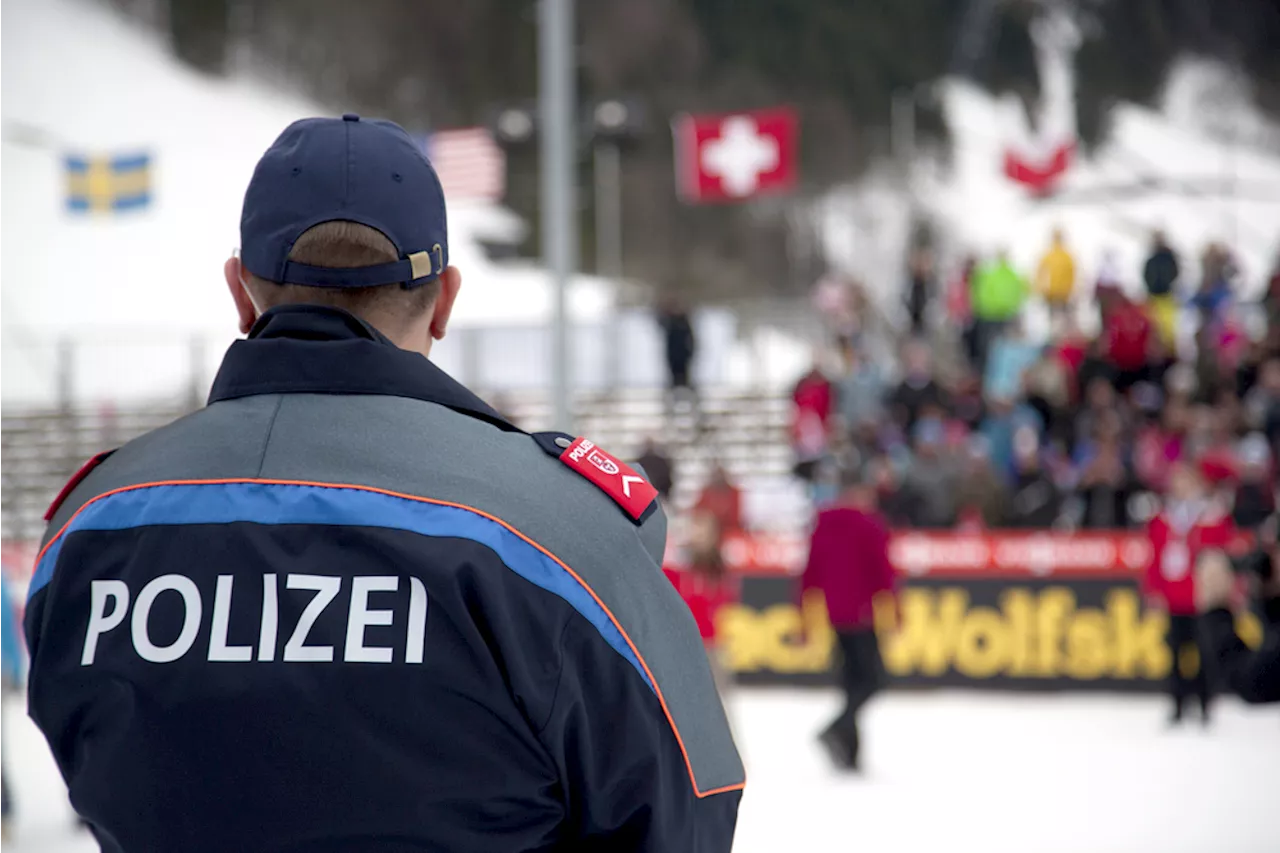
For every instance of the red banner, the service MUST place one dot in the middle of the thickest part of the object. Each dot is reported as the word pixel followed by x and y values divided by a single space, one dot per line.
pixel 920 553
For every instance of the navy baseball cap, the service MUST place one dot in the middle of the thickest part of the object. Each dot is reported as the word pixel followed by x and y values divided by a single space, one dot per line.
pixel 365 171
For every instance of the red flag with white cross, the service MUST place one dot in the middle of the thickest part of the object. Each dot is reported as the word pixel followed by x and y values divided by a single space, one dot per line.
pixel 736 156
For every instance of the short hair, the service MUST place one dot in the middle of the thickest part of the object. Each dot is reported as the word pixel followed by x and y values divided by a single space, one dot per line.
pixel 341 244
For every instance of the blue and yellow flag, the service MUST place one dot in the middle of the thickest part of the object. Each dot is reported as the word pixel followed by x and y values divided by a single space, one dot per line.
pixel 108 183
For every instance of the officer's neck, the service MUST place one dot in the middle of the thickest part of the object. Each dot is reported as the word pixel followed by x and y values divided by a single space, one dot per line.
pixel 415 339
pixel 413 335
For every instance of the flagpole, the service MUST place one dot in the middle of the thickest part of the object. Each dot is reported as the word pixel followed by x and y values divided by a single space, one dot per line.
pixel 556 155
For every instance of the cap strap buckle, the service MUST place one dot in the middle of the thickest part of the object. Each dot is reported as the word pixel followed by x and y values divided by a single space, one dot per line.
pixel 420 263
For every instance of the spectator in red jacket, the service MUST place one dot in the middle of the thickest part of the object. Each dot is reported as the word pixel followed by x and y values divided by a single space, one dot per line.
pixel 721 499
pixel 849 564
pixel 810 421
pixel 706 585
pixel 1126 333
pixel 1187 526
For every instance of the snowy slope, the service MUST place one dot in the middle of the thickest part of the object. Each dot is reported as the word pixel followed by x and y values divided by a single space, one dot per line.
pixel 133 290
pixel 1202 167
pixel 1152 172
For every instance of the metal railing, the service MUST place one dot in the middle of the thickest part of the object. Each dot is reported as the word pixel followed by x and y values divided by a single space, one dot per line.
pixel 625 351
pixel 746 431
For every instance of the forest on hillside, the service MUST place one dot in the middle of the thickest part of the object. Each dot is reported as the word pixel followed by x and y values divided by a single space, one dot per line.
pixel 443 63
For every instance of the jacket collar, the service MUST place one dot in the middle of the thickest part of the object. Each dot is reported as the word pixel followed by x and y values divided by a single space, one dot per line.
pixel 315 349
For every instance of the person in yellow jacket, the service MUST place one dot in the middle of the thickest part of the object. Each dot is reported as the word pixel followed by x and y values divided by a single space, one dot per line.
pixel 1056 276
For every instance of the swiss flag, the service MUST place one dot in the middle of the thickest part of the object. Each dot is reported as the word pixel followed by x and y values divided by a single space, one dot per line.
pixel 733 156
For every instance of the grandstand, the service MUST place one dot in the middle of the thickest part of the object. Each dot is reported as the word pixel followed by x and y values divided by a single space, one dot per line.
pixel 746 433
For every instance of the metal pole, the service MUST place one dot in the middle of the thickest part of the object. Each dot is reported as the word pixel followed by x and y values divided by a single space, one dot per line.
pixel 902 128
pixel 606 167
pixel 559 233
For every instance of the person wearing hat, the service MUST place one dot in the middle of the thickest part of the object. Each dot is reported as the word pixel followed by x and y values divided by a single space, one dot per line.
pixel 347 605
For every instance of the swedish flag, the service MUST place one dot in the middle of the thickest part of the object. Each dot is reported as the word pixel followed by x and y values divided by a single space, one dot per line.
pixel 108 183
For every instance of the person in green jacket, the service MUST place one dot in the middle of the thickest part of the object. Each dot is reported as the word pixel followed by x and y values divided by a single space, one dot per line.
pixel 999 292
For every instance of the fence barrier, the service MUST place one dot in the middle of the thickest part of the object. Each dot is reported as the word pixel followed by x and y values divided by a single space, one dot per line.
pixel 1026 610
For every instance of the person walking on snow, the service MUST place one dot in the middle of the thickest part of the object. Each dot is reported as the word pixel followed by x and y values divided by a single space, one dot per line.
pixel 849 567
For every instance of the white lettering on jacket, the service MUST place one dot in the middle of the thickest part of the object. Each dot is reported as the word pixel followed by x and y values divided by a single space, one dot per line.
pixel 111 603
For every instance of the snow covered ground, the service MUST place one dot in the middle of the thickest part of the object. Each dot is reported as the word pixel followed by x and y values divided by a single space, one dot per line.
pixel 960 772
pixel 946 771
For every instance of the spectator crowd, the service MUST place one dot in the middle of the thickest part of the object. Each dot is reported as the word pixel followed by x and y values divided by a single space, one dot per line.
pixel 980 425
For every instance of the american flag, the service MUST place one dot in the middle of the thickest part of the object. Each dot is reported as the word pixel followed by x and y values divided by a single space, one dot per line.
pixel 471 165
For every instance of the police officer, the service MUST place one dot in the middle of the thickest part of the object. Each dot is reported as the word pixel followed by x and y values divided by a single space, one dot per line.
pixel 347 605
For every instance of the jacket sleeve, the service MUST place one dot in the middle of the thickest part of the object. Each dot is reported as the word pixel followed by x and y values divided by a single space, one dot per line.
pixel 1254 676
pixel 886 577
pixel 812 577
pixel 627 784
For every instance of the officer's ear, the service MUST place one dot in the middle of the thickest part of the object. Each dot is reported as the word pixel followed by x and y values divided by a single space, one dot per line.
pixel 450 283
pixel 248 312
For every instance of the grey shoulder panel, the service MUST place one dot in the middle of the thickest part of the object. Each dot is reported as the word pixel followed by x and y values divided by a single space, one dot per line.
pixel 425 450
pixel 653 533
pixel 225 440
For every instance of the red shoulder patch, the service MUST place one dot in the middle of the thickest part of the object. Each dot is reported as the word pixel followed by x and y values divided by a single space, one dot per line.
pixel 614 477
pixel 75 480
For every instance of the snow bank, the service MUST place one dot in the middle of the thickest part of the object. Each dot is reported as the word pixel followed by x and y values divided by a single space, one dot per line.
pixel 1204 166
pixel 141 295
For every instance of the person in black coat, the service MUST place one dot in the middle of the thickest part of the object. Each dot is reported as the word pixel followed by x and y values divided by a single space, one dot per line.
pixel 657 466
pixel 1035 501
pixel 1251 674
pixel 680 342
pixel 1160 274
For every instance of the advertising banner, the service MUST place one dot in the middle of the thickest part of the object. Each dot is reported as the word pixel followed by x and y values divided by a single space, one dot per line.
pixel 1007 611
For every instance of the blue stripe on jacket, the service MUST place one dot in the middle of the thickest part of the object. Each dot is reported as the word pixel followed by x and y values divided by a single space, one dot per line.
pixel 274 503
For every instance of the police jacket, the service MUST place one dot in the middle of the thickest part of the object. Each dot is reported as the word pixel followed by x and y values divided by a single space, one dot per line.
pixel 346 606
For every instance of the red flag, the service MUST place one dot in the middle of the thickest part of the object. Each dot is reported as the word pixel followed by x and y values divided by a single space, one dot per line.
pixel 1039 177
pixel 734 156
